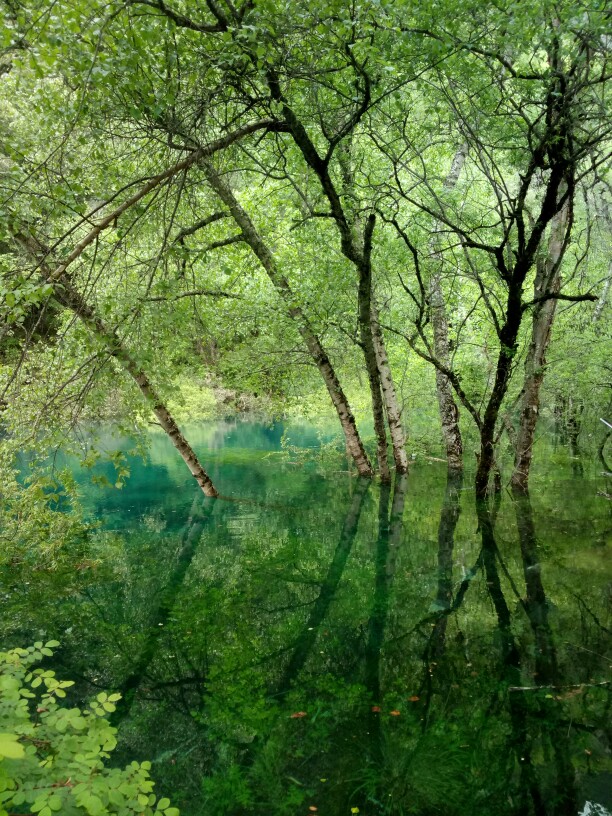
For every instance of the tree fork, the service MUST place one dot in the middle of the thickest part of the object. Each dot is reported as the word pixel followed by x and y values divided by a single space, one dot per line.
pixel 547 280
pixel 251 236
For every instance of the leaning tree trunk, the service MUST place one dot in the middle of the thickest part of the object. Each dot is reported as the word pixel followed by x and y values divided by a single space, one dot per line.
pixel 66 294
pixel 547 280
pixel 449 411
pixel 369 351
pixel 392 406
pixel 354 444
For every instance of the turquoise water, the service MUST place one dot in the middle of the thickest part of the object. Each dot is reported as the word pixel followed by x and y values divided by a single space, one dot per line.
pixel 314 641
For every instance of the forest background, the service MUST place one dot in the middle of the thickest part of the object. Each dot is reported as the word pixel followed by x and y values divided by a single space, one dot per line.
pixel 325 207
pixel 393 214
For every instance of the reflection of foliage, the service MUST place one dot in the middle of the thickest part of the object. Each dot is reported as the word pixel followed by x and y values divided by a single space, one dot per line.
pixel 217 645
pixel 30 525
pixel 52 757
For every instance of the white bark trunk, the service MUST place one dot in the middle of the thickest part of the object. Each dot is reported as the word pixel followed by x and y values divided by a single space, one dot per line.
pixel 392 406
pixel 449 412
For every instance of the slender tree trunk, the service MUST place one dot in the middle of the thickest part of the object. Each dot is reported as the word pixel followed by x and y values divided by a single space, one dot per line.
pixel 359 256
pixel 393 411
pixel 603 212
pixel 603 298
pixel 329 586
pixel 547 280
pixel 449 411
pixel 369 352
pixel 508 339
pixel 66 294
pixel 392 406
pixel 353 441
pixel 71 299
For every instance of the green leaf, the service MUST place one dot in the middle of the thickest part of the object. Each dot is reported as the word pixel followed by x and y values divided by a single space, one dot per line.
pixel 10 748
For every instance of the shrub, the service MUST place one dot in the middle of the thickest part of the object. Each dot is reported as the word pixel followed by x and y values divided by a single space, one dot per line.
pixel 52 756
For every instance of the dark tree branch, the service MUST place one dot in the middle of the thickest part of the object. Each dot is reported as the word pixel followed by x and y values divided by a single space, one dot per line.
pixel 559 296
pixel 204 222
pixel 179 19
pixel 217 293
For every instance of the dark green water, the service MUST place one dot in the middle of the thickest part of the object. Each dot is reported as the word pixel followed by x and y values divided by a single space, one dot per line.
pixel 313 641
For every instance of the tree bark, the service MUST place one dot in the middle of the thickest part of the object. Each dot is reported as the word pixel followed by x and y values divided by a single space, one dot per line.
pixel 603 299
pixel 66 294
pixel 354 444
pixel 603 212
pixel 547 280
pixel 392 406
pixel 449 411
pixel 369 351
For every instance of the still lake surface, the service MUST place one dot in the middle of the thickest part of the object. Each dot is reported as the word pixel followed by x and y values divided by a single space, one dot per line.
pixel 316 644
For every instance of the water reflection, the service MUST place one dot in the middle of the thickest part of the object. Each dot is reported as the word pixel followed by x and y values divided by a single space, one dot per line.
pixel 322 642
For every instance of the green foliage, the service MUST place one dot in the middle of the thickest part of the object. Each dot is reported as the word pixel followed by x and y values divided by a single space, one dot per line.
pixel 52 758
pixel 40 519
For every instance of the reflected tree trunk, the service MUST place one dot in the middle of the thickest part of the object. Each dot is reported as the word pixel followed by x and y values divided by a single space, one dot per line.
pixel 378 614
pixel 329 586
pixel 546 666
pixel 198 519
pixel 449 517
pixel 544 713
pixel 390 529
pixel 535 603
pixel 529 794
pixel 307 638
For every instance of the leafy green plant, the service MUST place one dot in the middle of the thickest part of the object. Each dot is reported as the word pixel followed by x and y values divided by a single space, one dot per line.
pixel 52 757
